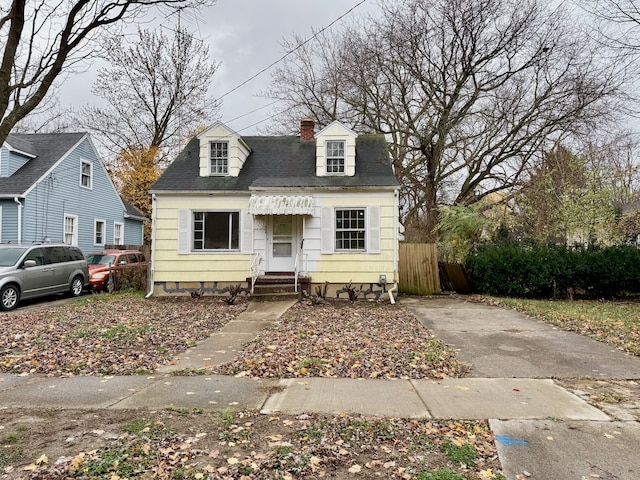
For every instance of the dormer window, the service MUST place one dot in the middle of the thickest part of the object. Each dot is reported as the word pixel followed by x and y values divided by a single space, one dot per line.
pixel 222 152
pixel 335 156
pixel 219 158
pixel 336 151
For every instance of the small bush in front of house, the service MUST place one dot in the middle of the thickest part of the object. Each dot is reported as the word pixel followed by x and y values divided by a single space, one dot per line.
pixel 234 291
pixel 129 279
pixel 513 269
pixel 352 291
pixel 321 291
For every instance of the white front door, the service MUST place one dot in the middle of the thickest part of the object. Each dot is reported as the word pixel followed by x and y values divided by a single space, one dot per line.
pixel 282 243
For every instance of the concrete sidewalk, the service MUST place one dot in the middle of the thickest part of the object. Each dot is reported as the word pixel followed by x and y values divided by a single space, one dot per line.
pixel 543 431
pixel 469 398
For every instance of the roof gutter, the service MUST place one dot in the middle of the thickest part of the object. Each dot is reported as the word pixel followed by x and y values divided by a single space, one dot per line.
pixel 135 217
pixel 17 200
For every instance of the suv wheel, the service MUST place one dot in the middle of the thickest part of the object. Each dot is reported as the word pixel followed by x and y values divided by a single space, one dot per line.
pixel 9 297
pixel 76 286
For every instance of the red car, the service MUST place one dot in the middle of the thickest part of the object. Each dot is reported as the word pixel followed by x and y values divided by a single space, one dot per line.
pixel 124 264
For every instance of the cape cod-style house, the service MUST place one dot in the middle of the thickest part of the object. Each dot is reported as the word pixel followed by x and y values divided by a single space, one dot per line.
pixel 312 210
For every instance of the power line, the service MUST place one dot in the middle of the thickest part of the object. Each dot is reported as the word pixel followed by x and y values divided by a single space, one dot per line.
pixel 252 111
pixel 292 51
pixel 263 120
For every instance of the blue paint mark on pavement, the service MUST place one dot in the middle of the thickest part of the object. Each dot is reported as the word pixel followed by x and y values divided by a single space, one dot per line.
pixel 508 441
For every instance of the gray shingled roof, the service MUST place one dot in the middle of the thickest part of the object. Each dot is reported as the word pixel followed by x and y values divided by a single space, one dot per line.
pixel 48 148
pixel 280 162
pixel 20 143
pixel 131 210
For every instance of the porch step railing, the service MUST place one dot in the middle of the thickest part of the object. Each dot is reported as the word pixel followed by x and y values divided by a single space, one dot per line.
pixel 256 260
pixel 296 269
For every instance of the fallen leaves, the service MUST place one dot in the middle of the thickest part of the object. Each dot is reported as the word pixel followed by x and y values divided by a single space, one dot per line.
pixel 282 446
pixel 353 340
pixel 107 334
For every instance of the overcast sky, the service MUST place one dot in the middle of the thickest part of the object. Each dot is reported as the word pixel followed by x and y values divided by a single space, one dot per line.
pixel 245 36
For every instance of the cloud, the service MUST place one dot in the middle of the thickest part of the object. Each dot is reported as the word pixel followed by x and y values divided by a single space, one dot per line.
pixel 245 37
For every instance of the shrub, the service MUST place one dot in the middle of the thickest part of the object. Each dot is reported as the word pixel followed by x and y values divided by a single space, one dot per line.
pixel 552 271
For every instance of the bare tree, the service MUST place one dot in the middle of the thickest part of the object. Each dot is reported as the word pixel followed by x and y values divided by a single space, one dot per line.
pixel 41 40
pixel 615 160
pixel 155 91
pixel 617 21
pixel 47 117
pixel 467 91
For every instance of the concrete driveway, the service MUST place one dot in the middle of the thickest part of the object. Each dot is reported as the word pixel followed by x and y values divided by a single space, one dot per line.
pixel 497 343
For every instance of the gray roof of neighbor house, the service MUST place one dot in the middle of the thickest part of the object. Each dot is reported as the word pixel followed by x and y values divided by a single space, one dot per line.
pixel 48 148
pixel 132 211
pixel 280 162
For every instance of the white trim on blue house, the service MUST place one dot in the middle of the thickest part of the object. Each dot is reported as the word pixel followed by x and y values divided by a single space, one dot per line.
pixel 83 174
pixel 74 234
pixel 118 240
pixel 96 221
pixel 18 151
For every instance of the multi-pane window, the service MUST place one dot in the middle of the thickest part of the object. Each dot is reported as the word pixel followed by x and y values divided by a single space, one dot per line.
pixel 86 174
pixel 350 229
pixel 335 156
pixel 99 232
pixel 216 230
pixel 71 229
pixel 117 233
pixel 219 157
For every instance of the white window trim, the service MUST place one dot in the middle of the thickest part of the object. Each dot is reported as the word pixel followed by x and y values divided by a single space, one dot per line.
pixel 0 223
pixel 86 162
pixel 185 233
pixel 218 250
pixel 372 230
pixel 365 229
pixel 95 231
pixel 74 234
pixel 116 225
pixel 327 158
pixel 220 174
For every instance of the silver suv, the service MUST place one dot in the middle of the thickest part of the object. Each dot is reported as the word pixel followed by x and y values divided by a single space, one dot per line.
pixel 29 271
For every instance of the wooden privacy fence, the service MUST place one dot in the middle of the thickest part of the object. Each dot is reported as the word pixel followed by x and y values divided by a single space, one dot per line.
pixel 418 268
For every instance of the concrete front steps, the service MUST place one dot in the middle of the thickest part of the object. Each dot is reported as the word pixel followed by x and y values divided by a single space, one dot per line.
pixel 279 285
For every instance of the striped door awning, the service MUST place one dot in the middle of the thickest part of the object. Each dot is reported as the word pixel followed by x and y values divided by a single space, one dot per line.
pixel 281 205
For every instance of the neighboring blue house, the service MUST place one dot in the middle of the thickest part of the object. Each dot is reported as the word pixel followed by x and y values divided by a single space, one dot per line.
pixel 55 188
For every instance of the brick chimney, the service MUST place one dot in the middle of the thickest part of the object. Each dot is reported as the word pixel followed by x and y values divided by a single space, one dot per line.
pixel 306 130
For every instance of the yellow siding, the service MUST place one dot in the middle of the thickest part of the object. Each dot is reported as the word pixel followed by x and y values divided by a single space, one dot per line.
pixel 336 268
pixel 361 267
pixel 169 266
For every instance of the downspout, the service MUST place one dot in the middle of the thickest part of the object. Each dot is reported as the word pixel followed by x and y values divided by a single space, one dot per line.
pixel 15 199
pixel 396 227
pixel 152 260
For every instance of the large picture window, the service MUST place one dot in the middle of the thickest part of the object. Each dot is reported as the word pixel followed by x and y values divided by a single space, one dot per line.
pixel 219 157
pixel 335 156
pixel 350 229
pixel 216 230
